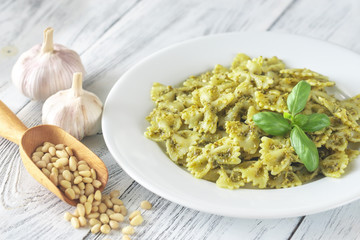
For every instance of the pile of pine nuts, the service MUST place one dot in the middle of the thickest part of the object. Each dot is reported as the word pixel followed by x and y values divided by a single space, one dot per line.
pixel 75 178
pixel 79 182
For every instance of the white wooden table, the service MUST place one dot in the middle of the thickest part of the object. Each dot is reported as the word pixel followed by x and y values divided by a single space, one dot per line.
pixel 113 35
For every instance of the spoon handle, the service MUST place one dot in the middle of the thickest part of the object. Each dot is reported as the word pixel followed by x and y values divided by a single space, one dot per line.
pixel 11 127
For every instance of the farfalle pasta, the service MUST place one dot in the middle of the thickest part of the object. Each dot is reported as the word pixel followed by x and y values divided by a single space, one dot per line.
pixel 206 125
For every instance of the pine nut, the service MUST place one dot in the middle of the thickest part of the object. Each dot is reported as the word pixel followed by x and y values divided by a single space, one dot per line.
pixel 40 164
pixel 72 163
pixel 104 218
pixel 128 230
pixel 61 162
pixel 96 183
pixel 96 203
pixel 78 180
pixel 50 144
pixel 54 159
pixel 113 224
pixel 134 214
pixel 116 208
pixel 69 151
pixel 38 149
pixel 85 173
pixel 52 151
pixel 115 194
pixel 45 148
pixel 55 170
pixel 53 177
pixel 105 229
pixel 39 154
pixel 83 167
pixel 123 210
pixel 65 184
pixel 94 221
pixel 94 209
pixel 93 215
pixel 87 180
pixel 46 158
pixel 88 208
pixel 82 199
pixel 49 166
pixel 97 195
pixel 76 189
pixel 82 162
pixel 76 214
pixel 35 158
pixel 145 205
pixel 82 221
pixel 62 154
pixel 90 198
pixel 137 220
pixel 68 216
pixel 102 207
pixel 46 172
pixel 67 175
pixel 89 189
pixel 76 174
pixel 81 209
pixel 75 222
pixel 117 201
pixel 81 185
pixel 93 173
pixel 126 237
pixel 109 212
pixel 108 203
pixel 60 146
pixel 96 228
pixel 105 197
pixel 117 217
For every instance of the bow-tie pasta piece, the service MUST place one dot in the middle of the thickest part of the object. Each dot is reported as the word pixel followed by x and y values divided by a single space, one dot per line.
pixel 178 144
pixel 334 165
pixel 277 154
pixel 248 140
pixel 285 179
pixel 230 179
pixel 273 100
pixel 255 174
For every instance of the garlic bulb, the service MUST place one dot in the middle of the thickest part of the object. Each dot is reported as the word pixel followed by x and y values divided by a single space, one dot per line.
pixel 75 110
pixel 45 68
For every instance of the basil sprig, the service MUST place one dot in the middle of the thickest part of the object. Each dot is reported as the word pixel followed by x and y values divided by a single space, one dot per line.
pixel 279 125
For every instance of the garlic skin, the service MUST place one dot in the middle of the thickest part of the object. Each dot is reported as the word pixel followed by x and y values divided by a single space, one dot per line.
pixel 75 110
pixel 45 69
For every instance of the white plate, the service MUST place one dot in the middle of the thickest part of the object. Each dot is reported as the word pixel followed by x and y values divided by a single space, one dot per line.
pixel 129 103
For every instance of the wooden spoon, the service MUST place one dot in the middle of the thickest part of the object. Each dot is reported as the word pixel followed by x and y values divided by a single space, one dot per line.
pixel 28 140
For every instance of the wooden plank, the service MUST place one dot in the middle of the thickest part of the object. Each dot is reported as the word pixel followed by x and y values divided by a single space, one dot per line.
pixel 340 223
pixel 149 26
pixel 338 23
pixel 77 24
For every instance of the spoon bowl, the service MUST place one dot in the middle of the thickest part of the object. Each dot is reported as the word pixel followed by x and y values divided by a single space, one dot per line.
pixel 28 140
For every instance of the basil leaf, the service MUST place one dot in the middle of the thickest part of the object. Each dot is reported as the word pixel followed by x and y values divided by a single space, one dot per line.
pixel 298 97
pixel 287 115
pixel 316 122
pixel 301 119
pixel 304 148
pixel 272 123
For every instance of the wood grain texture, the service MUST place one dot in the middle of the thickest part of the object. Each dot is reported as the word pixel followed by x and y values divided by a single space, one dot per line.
pixel 111 38
pixel 338 23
